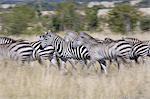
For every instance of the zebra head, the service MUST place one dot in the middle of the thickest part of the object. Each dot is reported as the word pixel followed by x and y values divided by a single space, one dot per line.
pixel 47 39
pixel 108 40
pixel 84 39
pixel 70 36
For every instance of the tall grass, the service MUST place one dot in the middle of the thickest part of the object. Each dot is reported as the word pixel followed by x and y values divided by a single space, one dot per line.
pixel 34 81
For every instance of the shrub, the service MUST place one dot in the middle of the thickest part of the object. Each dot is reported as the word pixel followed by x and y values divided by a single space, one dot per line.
pixel 123 18
pixel 18 19
pixel 145 23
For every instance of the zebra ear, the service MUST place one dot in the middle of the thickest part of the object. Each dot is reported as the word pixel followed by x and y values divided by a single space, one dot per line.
pixel 82 33
pixel 49 30
pixel 45 33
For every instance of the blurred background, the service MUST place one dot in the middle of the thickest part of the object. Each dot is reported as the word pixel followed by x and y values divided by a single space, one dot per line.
pixel 102 16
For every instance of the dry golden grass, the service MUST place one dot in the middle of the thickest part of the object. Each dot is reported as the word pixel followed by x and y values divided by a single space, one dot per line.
pixel 38 82
pixel 33 81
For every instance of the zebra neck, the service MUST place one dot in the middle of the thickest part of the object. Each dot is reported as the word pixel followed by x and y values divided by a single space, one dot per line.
pixel 88 46
pixel 58 45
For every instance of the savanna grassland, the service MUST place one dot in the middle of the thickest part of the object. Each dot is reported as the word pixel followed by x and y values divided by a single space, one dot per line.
pixel 34 81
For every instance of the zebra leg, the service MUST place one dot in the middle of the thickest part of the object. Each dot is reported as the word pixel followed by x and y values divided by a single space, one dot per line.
pixel 40 61
pixel 83 65
pixel 72 65
pixel 118 64
pixel 136 59
pixel 54 59
pixel 83 62
pixel 123 59
pixel 63 63
pixel 110 61
pixel 143 58
pixel 103 66
pixel 75 62
pixel 91 63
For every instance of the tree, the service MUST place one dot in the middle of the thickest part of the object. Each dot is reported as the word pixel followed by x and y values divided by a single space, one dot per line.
pixel 56 23
pixel 91 17
pixel 16 21
pixel 123 18
pixel 67 16
pixel 145 23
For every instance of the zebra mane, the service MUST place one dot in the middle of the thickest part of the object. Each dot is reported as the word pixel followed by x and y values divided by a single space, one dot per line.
pixel 54 34
pixel 108 40
pixel 8 39
pixel 88 37
pixel 130 38
pixel 70 36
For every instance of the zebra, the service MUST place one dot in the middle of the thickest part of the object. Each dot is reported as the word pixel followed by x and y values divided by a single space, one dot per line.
pixel 64 50
pixel 103 51
pixel 38 53
pixel 7 40
pixel 15 50
pixel 70 37
pixel 147 42
pixel 18 51
pixel 139 48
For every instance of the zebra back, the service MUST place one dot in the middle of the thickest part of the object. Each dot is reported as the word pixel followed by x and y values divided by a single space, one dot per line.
pixel 132 40
pixel 147 42
pixel 6 40
pixel 139 49
pixel 70 36
pixel 19 51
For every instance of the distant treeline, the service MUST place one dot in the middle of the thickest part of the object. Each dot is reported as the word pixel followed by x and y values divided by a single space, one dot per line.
pixel 27 19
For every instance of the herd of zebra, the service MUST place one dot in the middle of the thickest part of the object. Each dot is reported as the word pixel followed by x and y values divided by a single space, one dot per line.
pixel 75 48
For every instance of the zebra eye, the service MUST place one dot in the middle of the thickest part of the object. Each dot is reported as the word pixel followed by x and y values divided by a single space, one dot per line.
pixel 49 35
pixel 82 37
pixel 46 39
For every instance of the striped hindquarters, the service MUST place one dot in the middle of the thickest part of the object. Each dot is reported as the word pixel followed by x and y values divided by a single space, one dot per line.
pixel 20 51
pixel 46 53
pixel 122 48
pixel 139 49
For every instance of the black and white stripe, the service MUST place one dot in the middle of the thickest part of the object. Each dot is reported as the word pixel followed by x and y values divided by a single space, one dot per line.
pixel 64 49
pixel 104 51
pixel 139 50
pixel 132 40
pixel 6 40
pixel 40 53
pixel 18 51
